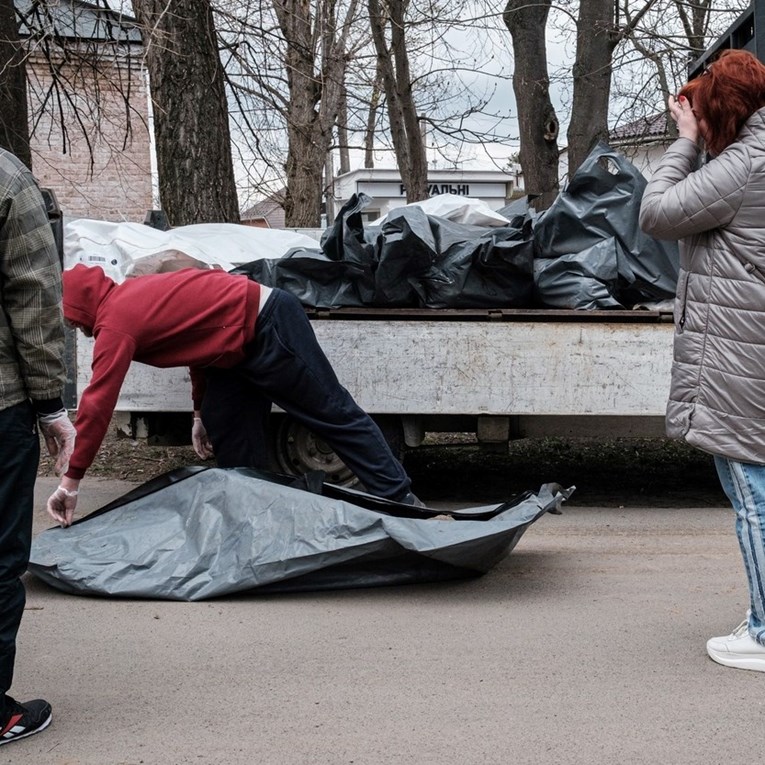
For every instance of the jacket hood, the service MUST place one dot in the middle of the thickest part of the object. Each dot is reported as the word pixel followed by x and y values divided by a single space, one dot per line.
pixel 85 288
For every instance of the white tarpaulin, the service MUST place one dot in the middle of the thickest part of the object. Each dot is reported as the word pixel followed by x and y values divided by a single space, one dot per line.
pixel 122 248
pixel 467 210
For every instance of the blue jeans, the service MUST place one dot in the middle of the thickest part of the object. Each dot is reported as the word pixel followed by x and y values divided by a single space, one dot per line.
pixel 285 365
pixel 744 484
pixel 19 457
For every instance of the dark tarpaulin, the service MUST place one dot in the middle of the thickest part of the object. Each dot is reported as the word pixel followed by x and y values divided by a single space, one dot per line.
pixel 315 279
pixel 436 263
pixel 341 272
pixel 586 252
pixel 412 260
pixel 199 533
pixel 592 226
pixel 584 280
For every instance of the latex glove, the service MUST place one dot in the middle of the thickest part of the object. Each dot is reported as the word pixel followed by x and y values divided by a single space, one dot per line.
pixel 61 505
pixel 59 435
pixel 200 441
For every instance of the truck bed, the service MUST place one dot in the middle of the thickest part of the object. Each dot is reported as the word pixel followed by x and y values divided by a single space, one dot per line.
pixel 470 362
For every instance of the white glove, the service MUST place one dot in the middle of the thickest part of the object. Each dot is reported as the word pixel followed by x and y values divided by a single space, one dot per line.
pixel 59 435
pixel 200 441
pixel 61 505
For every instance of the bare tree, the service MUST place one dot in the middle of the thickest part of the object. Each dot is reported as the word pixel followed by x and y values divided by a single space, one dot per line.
pixel 641 45
pixel 596 38
pixel 388 25
pixel 438 65
pixel 286 64
pixel 653 60
pixel 74 67
pixel 371 120
pixel 537 120
pixel 598 32
pixel 315 97
pixel 443 88
pixel 194 162
pixel 695 20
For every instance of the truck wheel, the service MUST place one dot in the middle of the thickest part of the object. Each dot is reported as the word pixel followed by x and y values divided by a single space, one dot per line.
pixel 295 450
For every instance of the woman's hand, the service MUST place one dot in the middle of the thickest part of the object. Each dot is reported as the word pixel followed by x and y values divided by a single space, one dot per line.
pixel 681 112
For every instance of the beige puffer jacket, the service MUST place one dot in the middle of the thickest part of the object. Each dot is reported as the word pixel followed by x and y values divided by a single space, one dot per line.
pixel 717 398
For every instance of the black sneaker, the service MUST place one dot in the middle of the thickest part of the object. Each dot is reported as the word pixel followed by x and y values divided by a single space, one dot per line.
pixel 411 499
pixel 26 719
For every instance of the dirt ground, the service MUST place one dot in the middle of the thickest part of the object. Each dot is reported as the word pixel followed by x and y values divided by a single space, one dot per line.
pixel 131 460
pixel 614 473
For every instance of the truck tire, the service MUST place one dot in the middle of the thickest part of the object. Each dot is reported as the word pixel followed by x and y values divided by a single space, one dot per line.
pixel 295 450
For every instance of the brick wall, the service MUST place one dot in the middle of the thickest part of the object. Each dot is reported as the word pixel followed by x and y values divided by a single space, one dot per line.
pixel 111 178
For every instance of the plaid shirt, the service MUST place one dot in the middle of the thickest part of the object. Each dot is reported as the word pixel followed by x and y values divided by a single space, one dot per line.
pixel 31 321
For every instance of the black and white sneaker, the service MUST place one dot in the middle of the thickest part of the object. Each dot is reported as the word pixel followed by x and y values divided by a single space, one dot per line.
pixel 25 720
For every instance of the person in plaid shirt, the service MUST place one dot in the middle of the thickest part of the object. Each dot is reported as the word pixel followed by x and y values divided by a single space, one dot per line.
pixel 32 377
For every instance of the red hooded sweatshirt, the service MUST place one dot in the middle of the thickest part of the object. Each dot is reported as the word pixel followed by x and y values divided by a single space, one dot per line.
pixel 191 318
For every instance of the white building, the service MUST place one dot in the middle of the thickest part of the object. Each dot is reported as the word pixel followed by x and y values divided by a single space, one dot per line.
pixel 497 188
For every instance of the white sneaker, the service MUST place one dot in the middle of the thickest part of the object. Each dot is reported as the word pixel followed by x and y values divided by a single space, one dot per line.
pixel 738 650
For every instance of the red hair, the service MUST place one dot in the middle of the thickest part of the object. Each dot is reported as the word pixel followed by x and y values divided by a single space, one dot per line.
pixel 726 95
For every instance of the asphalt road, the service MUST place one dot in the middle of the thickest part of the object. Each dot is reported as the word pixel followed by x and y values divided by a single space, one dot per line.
pixel 585 645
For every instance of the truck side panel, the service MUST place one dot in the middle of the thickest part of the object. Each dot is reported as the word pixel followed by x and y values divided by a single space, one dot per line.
pixel 476 368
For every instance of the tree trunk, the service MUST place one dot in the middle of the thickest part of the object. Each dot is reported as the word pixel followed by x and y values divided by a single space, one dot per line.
pixel 308 145
pixel 196 172
pixel 342 135
pixel 371 123
pixel 595 41
pixel 315 101
pixel 537 120
pixel 14 126
pixel 694 23
pixel 393 64
pixel 329 188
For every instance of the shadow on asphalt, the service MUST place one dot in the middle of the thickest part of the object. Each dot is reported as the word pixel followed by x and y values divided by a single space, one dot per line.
pixel 625 472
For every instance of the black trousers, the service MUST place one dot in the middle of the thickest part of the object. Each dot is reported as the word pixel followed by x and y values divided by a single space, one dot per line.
pixel 285 365
pixel 19 458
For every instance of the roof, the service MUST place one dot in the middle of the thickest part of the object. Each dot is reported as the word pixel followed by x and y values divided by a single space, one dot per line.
pixel 270 209
pixel 652 126
pixel 76 20
pixel 458 175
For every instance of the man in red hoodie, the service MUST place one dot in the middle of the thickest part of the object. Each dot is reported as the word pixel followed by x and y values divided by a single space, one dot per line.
pixel 247 346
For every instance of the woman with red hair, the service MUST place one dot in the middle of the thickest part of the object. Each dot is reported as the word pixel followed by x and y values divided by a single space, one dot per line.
pixel 717 212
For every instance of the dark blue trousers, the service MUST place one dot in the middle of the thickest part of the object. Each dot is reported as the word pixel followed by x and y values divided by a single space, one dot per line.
pixel 285 365
pixel 19 458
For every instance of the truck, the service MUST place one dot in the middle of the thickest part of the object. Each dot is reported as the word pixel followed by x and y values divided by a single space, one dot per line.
pixel 500 374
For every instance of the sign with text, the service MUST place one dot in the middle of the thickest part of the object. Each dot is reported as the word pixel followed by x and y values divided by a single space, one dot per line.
pixel 460 188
